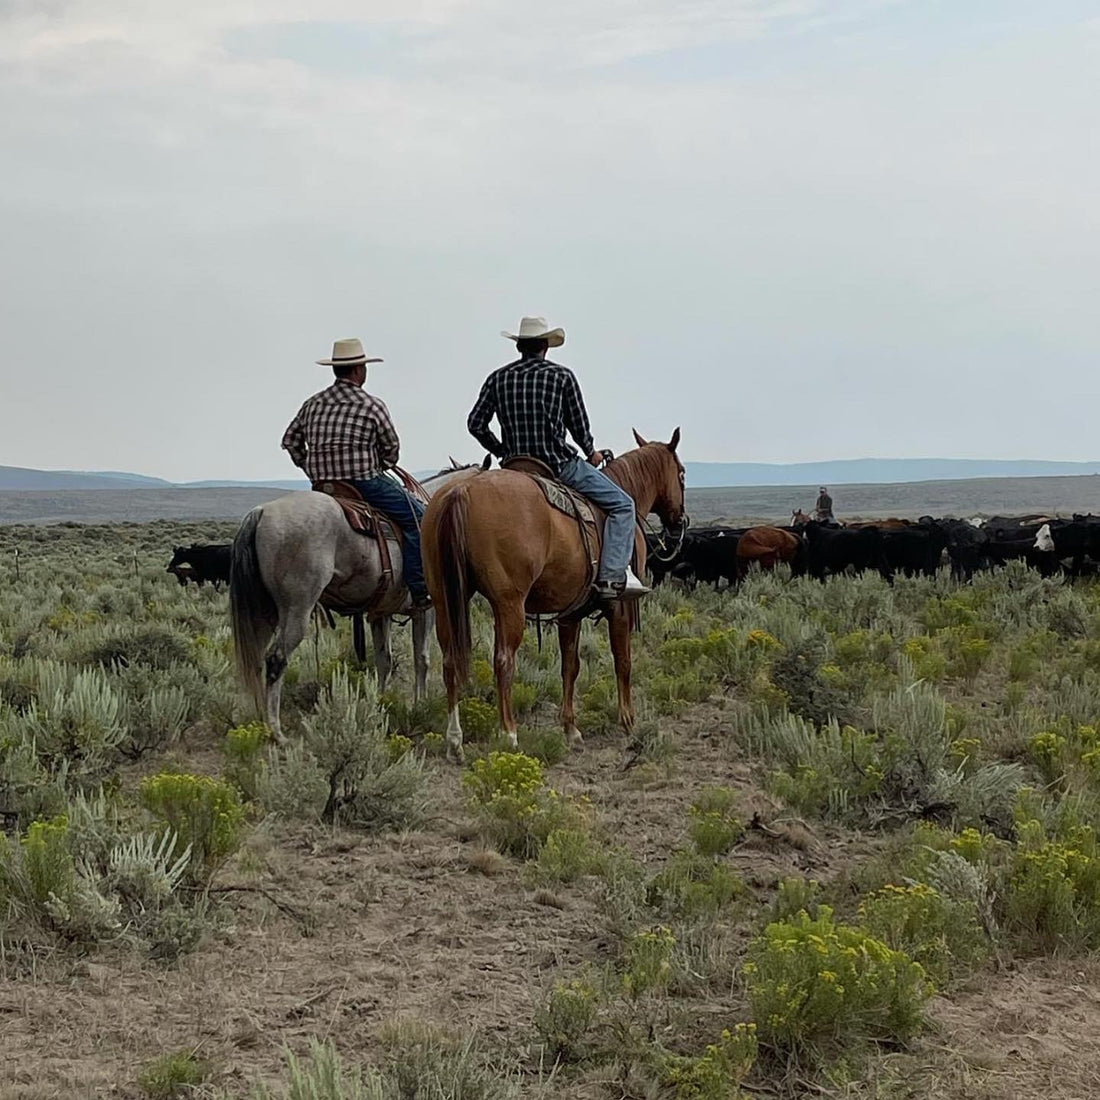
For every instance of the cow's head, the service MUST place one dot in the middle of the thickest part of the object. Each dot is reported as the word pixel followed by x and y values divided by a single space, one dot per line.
pixel 1044 540
pixel 179 557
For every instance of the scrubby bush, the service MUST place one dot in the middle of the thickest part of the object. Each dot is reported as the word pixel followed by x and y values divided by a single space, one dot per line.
pixel 347 735
pixel 647 964
pixel 171 1075
pixel 204 814
pixel 717 1073
pixel 944 935
pixel 691 886
pixel 1053 900
pixel 565 1017
pixel 567 855
pixel 290 783
pixel 714 826
pixel 153 644
pixel 815 981
pixel 243 745
pixel 480 719
pixel 796 895
pixel 516 808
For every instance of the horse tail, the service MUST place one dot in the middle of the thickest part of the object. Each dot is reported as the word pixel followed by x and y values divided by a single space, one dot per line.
pixel 450 563
pixel 251 607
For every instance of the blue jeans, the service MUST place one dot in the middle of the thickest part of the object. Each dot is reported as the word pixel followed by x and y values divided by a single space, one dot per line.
pixel 387 496
pixel 618 533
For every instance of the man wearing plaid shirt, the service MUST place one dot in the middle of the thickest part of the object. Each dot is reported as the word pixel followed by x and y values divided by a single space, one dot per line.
pixel 344 433
pixel 537 402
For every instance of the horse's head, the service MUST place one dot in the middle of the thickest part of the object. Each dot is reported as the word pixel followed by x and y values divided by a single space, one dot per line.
pixel 667 473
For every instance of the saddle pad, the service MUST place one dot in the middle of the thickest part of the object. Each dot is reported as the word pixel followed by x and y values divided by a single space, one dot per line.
pixel 565 500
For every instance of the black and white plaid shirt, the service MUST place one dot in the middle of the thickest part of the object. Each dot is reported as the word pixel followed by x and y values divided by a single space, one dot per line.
pixel 342 433
pixel 536 402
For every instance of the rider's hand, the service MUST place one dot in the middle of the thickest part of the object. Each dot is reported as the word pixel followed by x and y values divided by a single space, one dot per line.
pixel 596 459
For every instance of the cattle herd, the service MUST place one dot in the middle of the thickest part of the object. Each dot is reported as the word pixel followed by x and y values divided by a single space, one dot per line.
pixel 713 555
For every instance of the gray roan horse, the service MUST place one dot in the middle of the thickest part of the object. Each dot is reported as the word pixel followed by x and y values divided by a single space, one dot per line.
pixel 290 554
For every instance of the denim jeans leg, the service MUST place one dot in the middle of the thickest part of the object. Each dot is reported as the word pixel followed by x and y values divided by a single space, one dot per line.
pixel 387 496
pixel 618 535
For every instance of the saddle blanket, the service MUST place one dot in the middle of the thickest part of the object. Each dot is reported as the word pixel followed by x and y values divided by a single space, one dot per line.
pixel 564 499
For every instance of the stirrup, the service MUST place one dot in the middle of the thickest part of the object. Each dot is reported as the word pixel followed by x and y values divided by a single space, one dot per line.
pixel 630 589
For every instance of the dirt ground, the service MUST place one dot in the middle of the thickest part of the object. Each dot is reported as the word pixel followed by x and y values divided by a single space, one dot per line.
pixel 351 931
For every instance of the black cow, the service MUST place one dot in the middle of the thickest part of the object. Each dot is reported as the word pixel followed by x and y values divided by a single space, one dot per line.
pixel 1076 541
pixel 966 545
pixel 707 554
pixel 914 550
pixel 207 563
pixel 833 550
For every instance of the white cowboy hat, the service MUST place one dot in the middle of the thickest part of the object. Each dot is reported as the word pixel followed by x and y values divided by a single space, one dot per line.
pixel 346 353
pixel 534 328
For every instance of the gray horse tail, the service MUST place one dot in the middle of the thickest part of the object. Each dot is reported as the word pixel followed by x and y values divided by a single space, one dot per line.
pixel 446 559
pixel 251 607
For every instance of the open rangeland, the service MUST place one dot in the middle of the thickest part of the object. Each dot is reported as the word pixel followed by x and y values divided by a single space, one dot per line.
pixel 849 850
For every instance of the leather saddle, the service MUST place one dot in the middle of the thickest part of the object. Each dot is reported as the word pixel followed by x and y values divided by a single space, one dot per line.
pixel 360 515
pixel 371 523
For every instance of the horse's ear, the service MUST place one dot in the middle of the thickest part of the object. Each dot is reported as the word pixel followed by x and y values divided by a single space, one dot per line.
pixel 454 465
pixel 640 440
pixel 487 462
pixel 674 442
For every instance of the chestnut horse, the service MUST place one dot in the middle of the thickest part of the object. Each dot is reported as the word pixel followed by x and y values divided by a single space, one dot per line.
pixel 496 534
pixel 767 546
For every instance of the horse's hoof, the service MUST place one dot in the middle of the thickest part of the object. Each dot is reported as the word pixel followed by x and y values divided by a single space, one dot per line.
pixel 455 755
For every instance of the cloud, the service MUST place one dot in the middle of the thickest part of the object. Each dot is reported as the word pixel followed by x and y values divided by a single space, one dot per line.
pixel 777 222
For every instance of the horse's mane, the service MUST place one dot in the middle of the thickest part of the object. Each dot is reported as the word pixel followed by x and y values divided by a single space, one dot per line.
pixel 640 469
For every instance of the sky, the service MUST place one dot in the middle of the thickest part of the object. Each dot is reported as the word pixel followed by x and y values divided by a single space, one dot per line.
pixel 798 229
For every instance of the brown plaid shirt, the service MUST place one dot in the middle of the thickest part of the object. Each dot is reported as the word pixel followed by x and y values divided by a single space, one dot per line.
pixel 342 433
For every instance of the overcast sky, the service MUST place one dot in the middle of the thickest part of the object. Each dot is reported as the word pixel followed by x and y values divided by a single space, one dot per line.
pixel 801 229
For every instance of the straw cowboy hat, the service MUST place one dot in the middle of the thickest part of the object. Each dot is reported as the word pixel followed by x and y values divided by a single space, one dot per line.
pixel 346 353
pixel 534 328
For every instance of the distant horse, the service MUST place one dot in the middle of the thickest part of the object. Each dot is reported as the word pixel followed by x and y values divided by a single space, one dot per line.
pixel 497 535
pixel 767 547
pixel 800 518
pixel 287 556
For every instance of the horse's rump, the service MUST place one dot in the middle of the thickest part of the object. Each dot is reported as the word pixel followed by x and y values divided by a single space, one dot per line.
pixel 767 546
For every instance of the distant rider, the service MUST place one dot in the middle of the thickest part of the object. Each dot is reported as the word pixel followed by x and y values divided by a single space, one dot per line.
pixel 823 510
pixel 344 433
pixel 537 402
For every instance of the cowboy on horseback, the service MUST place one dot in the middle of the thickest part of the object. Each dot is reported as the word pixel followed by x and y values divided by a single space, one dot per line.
pixel 536 402
pixel 823 510
pixel 344 433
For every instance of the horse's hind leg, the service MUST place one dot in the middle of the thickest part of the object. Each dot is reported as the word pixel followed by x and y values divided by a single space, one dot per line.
pixel 383 653
pixel 618 626
pixel 510 623
pixel 569 637
pixel 293 625
pixel 454 689
pixel 423 623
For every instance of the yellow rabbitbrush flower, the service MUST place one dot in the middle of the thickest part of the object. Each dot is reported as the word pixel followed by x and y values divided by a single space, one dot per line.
pixel 811 980
pixel 203 812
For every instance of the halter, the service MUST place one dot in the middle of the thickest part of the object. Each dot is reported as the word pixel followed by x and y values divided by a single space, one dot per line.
pixel 661 544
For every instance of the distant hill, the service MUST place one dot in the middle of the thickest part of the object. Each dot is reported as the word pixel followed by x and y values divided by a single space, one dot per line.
pixel 19 477
pixel 700 475
pixel 47 481
pixel 874 471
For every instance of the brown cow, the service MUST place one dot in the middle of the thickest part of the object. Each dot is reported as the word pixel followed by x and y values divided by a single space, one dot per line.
pixel 767 546
pixel 892 524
